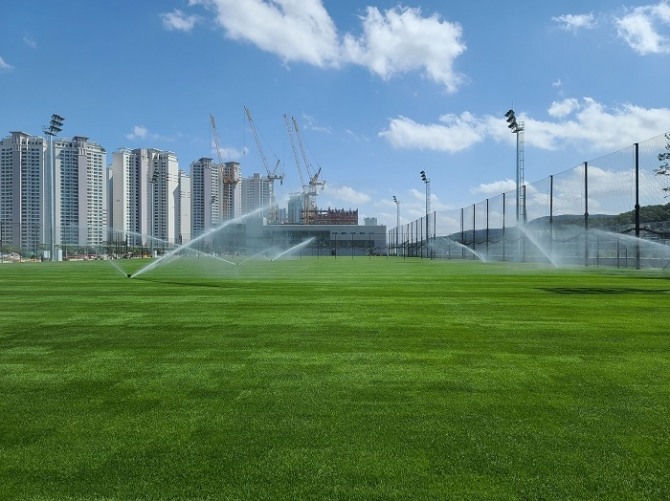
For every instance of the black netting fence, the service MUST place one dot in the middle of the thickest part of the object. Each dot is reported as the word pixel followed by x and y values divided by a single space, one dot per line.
pixel 611 211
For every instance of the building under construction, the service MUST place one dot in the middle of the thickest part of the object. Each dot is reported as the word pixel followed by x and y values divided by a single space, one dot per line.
pixel 335 216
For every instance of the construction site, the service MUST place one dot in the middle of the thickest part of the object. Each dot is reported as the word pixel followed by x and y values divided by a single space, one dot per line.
pixel 254 220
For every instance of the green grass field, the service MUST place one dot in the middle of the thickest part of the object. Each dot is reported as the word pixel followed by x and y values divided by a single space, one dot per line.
pixel 370 379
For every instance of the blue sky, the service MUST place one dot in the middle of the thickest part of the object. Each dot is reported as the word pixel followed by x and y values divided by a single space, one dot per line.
pixel 380 89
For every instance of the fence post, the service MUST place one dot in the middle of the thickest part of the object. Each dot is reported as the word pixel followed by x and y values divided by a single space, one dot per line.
pixel 462 233
pixel 421 237
pixel 504 210
pixel 474 229
pixel 434 233
pixel 487 227
pixel 586 213
pixel 551 214
pixel 524 221
pixel 637 205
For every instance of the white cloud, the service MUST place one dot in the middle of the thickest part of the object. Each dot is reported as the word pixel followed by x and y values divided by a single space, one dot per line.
pixel 495 188
pixel 574 22
pixel 641 28
pixel 30 42
pixel 357 137
pixel 139 132
pixel 563 108
pixel 4 66
pixel 610 191
pixel 231 153
pixel 396 41
pixel 453 133
pixel 401 40
pixel 295 31
pixel 597 127
pixel 348 194
pixel 310 124
pixel 586 124
pixel 178 21
pixel 142 133
pixel 415 203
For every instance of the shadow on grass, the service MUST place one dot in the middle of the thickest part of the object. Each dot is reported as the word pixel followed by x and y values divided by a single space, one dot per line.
pixel 215 285
pixel 602 290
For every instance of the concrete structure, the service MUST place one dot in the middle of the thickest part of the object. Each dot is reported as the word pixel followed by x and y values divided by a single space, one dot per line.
pixel 205 195
pixel 295 208
pixel 231 192
pixel 81 189
pixel 335 216
pixel 23 193
pixel 328 240
pixel 25 200
pixel 185 206
pixel 147 197
pixel 255 194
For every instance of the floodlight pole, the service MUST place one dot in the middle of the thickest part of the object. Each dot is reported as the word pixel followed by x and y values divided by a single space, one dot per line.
pixel 518 128
pixel 154 178
pixel 54 127
pixel 397 224
pixel 426 180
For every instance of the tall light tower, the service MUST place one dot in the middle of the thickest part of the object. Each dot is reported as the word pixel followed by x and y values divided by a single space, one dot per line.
pixel 518 129
pixel 54 127
pixel 397 223
pixel 426 180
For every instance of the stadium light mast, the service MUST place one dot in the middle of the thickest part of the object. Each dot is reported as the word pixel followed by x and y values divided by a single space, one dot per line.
pixel 397 223
pixel 54 127
pixel 426 181
pixel 518 129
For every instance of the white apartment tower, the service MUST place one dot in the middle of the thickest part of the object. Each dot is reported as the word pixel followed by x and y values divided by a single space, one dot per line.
pixel 25 197
pixel 205 196
pixel 184 223
pixel 81 212
pixel 24 220
pixel 295 208
pixel 255 193
pixel 146 197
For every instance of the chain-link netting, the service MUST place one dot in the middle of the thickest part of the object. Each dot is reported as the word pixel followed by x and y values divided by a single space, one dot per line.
pixel 611 211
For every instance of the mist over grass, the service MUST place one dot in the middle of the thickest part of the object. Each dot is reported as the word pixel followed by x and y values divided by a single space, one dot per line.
pixel 366 378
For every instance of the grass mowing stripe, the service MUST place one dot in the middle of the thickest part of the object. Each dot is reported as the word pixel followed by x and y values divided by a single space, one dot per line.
pixel 333 379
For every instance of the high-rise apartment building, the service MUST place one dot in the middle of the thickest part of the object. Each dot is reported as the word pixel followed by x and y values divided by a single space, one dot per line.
pixel 255 194
pixel 23 217
pixel 146 197
pixel 184 222
pixel 295 208
pixel 205 195
pixel 81 213
pixel 25 195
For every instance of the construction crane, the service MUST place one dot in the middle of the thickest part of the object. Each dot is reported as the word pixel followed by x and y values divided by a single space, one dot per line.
pixel 229 175
pixel 308 191
pixel 272 176
pixel 314 181
pixel 217 141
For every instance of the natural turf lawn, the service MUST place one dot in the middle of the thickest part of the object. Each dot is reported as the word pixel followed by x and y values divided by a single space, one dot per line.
pixel 333 379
